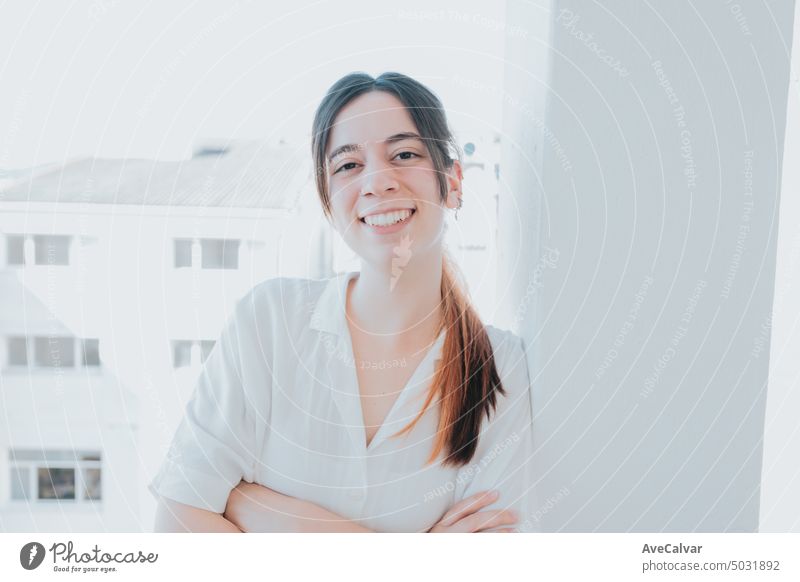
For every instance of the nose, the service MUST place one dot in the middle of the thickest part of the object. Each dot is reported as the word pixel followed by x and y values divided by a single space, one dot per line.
pixel 378 178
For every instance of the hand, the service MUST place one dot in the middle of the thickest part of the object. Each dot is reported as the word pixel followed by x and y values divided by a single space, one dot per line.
pixel 465 517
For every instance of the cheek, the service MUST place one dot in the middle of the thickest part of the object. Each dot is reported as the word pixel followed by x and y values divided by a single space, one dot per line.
pixel 422 175
pixel 423 183
pixel 433 218
pixel 343 208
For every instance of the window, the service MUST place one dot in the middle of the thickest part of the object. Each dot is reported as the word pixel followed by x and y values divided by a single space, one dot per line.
pixel 91 484
pixel 181 354
pixel 52 249
pixel 55 475
pixel 90 352
pixel 183 253
pixel 56 483
pixel 17 351
pixel 52 352
pixel 186 353
pixel 205 349
pixel 38 249
pixel 220 253
pixel 206 253
pixel 20 482
pixel 15 249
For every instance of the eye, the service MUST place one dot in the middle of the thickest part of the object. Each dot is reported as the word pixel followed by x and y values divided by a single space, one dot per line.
pixel 407 153
pixel 348 166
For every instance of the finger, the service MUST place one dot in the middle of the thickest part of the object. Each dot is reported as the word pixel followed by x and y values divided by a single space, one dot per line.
pixel 485 520
pixel 468 506
pixel 500 530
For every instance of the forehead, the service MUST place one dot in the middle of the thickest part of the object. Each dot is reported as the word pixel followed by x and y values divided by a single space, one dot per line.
pixel 370 117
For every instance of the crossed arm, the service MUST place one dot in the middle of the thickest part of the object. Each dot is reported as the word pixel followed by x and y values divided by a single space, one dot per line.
pixel 254 508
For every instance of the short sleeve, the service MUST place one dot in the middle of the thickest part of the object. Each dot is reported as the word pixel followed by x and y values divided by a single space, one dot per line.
pixel 504 459
pixel 213 447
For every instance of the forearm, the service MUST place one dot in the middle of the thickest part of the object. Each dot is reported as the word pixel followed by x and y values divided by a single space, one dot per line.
pixel 254 508
pixel 174 517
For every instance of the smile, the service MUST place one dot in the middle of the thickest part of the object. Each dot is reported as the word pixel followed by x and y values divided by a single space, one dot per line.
pixel 389 221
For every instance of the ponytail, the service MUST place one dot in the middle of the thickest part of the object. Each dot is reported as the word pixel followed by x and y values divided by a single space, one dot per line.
pixel 466 381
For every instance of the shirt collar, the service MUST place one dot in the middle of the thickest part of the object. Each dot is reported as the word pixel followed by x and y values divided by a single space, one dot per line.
pixel 329 314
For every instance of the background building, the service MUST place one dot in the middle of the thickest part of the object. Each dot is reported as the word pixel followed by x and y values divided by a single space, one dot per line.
pixel 116 277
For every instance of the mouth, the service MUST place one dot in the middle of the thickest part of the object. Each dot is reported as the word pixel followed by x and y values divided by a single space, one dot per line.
pixel 389 224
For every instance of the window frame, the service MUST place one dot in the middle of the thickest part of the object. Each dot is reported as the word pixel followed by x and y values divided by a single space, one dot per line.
pixel 78 353
pixel 39 242
pixel 204 346
pixel 76 463
pixel 200 253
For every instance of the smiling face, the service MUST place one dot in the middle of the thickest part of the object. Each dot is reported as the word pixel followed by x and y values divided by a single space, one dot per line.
pixel 384 192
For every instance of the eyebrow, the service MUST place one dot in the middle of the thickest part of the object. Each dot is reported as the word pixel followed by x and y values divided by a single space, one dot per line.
pixel 351 147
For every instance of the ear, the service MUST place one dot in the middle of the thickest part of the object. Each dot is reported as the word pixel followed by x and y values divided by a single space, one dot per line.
pixel 454 177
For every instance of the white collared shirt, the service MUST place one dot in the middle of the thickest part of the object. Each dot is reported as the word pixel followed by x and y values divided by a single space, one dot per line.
pixel 277 403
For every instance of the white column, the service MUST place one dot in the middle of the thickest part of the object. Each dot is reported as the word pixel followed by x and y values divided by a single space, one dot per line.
pixel 780 488
pixel 654 180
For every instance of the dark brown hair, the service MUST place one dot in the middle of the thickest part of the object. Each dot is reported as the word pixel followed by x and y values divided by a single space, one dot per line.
pixel 466 381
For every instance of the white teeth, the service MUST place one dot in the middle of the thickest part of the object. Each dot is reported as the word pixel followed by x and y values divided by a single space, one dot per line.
pixel 387 218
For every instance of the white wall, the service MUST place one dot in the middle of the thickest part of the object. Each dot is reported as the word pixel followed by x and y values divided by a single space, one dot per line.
pixel 662 227
pixel 780 475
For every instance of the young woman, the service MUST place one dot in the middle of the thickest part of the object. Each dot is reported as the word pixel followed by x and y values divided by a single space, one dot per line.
pixel 375 400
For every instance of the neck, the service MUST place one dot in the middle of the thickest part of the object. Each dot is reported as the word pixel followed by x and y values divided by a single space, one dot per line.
pixel 401 306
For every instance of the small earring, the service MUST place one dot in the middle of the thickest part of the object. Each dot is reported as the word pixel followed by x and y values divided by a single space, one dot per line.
pixel 458 208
